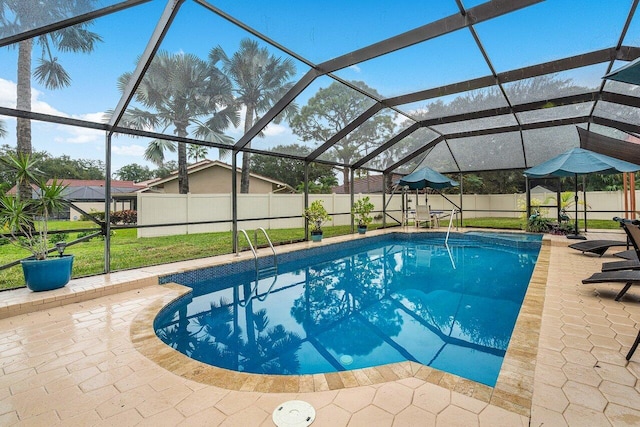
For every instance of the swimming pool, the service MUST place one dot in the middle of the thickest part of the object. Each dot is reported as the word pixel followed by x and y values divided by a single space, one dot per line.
pixel 363 303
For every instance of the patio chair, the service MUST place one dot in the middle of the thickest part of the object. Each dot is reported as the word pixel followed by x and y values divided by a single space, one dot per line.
pixel 628 254
pixel 426 217
pixel 628 277
pixel 633 347
pixel 597 246
pixel 632 262
pixel 627 271
pixel 600 246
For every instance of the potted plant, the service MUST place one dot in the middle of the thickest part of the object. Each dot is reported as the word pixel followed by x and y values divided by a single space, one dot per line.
pixel 27 222
pixel 361 211
pixel 316 215
pixel 538 223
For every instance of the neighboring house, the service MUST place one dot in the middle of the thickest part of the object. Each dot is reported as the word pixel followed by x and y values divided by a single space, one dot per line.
pixel 89 195
pixel 539 189
pixel 214 177
pixel 367 184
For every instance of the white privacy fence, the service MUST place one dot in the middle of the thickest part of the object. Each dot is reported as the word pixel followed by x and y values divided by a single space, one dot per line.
pixel 287 208
pixel 203 209
pixel 600 204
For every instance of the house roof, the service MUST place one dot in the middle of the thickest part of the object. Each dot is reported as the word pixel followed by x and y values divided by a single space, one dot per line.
pixel 90 189
pixel 206 164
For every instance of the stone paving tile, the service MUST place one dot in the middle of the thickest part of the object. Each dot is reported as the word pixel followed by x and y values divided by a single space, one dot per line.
pixel 599 377
pixel 371 416
pixel 81 362
pixel 414 417
pixel 354 399
pixel 393 397
pixel 454 416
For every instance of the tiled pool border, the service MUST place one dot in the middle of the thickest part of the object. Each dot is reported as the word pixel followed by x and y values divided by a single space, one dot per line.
pixel 191 277
pixel 513 390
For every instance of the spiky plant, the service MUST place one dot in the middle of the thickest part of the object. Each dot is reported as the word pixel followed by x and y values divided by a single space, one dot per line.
pixel 27 219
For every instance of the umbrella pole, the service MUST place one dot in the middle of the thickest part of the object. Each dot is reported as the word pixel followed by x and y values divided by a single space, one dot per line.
pixel 575 201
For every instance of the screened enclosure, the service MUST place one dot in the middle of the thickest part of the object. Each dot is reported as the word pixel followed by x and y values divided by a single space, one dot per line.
pixel 380 88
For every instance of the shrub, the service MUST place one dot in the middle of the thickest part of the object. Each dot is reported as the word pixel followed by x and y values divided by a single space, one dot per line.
pixel 538 223
pixel 565 228
pixel 95 214
pixel 58 237
pixel 125 217
pixel 129 216
pixel 83 234
pixel 113 233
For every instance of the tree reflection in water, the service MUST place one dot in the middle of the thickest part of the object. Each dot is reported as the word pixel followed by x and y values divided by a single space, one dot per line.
pixel 357 306
pixel 211 338
pixel 335 291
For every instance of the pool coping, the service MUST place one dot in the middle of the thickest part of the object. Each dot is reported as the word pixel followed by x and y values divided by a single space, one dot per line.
pixel 513 390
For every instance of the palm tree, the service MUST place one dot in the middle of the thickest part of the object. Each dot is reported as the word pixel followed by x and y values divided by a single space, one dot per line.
pixel 3 130
pixel 25 14
pixel 196 152
pixel 260 80
pixel 155 151
pixel 178 91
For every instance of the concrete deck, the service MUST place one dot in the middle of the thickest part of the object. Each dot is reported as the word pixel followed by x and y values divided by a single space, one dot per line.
pixel 86 355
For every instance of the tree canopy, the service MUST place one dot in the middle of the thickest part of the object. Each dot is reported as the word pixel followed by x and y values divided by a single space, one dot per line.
pixel 260 79
pixel 134 172
pixel 49 72
pixel 63 167
pixel 290 171
pixel 180 90
pixel 330 110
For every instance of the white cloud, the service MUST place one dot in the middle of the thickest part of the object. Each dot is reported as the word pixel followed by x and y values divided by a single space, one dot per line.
pixel 355 68
pixel 274 130
pixel 77 135
pixel 8 93
pixel 91 117
pixel 39 106
pixel 128 150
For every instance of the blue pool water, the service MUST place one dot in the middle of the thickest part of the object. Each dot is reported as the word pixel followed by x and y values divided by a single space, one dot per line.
pixel 373 302
pixel 520 237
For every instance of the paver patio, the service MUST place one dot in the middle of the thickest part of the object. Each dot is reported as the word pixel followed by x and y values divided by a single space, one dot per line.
pixel 81 363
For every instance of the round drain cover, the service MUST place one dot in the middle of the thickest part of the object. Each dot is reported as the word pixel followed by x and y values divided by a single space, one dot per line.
pixel 294 413
pixel 346 359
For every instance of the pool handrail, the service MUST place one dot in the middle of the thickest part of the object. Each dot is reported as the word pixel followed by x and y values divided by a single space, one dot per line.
pixel 275 256
pixel 453 211
pixel 255 254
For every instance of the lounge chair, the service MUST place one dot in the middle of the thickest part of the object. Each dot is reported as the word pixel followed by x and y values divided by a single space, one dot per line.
pixel 628 254
pixel 597 246
pixel 627 271
pixel 633 347
pixel 600 246
pixel 628 277
pixel 632 262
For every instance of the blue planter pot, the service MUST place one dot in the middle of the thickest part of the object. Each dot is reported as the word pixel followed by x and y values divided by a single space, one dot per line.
pixel 315 236
pixel 48 274
pixel 362 229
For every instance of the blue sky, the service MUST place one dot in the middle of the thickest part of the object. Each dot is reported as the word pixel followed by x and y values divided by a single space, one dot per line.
pixel 317 31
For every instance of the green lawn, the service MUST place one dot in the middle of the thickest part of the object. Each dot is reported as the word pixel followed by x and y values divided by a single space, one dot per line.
pixel 519 224
pixel 127 251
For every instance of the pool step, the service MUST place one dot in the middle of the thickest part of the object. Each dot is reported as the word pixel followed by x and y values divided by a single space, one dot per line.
pixel 267 272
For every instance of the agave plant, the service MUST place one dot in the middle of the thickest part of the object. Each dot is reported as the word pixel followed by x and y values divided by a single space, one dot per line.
pixel 27 220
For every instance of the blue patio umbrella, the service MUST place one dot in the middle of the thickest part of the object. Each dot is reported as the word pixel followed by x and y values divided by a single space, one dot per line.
pixel 427 177
pixel 579 161
pixel 629 73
